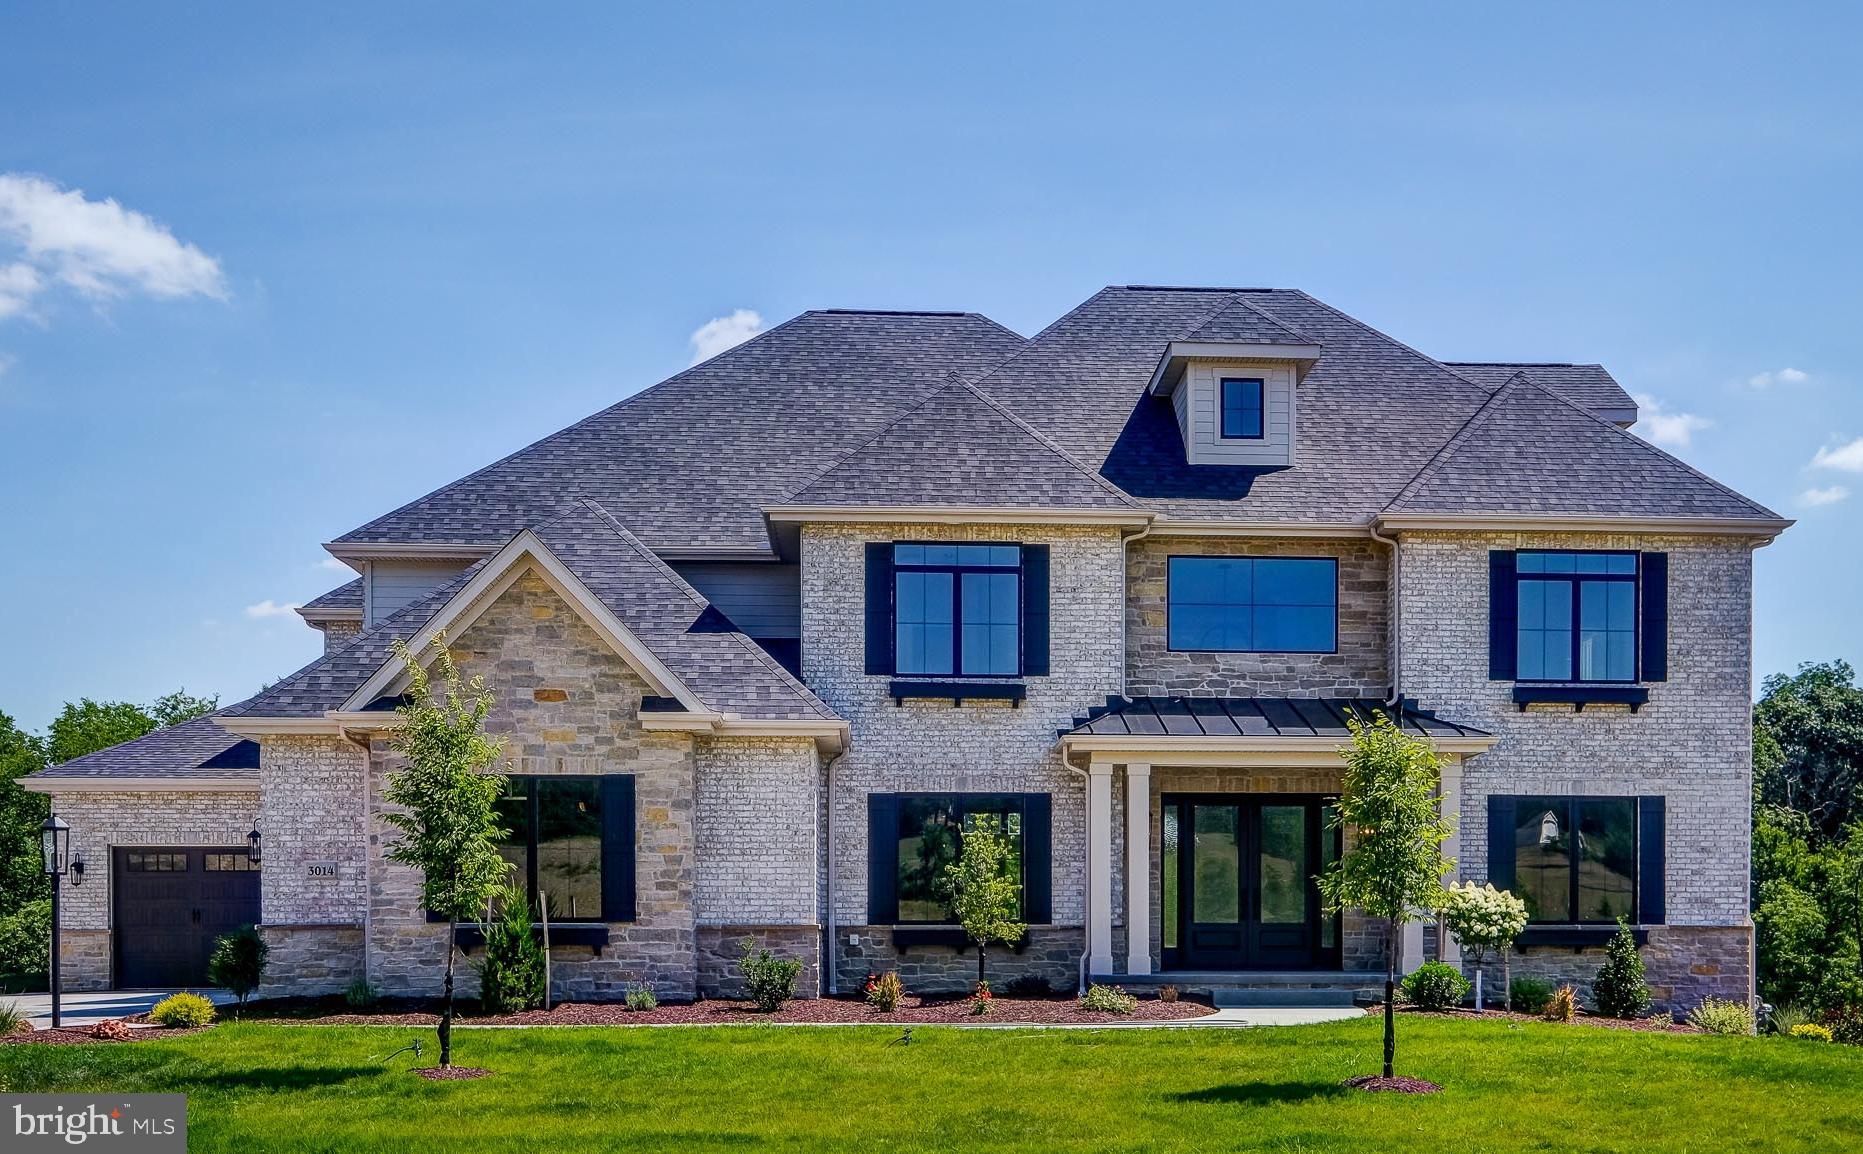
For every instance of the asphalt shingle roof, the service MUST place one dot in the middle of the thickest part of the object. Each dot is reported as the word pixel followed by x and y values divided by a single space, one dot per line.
pixel 1254 717
pixel 345 596
pixel 196 748
pixel 1590 385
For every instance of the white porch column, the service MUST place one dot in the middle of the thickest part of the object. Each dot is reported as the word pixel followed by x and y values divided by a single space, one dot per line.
pixel 1138 869
pixel 1411 955
pixel 1452 848
pixel 1100 867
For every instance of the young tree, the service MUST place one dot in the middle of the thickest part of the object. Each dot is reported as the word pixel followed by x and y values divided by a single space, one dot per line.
pixel 1483 918
pixel 985 897
pixel 1395 867
pixel 448 819
pixel 1619 988
pixel 237 963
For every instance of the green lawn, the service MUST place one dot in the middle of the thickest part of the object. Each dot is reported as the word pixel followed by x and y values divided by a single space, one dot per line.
pixel 1537 1087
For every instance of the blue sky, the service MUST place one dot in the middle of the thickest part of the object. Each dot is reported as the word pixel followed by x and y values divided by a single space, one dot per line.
pixel 353 255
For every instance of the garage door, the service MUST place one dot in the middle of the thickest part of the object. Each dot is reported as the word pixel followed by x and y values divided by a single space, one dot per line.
pixel 171 902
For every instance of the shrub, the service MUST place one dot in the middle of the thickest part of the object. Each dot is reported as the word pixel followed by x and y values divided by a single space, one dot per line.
pixel 1782 1019
pixel 511 973
pixel 1810 1032
pixel 1029 986
pixel 12 1019
pixel 238 962
pixel 640 996
pixel 1167 993
pixel 769 981
pixel 1562 1006
pixel 1108 1000
pixel 25 941
pixel 1530 995
pixel 884 992
pixel 182 1010
pixel 360 995
pixel 1619 989
pixel 1720 1016
pixel 1845 1024
pixel 980 1000
pixel 1435 986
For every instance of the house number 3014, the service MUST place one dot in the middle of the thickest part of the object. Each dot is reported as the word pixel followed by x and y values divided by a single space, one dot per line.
pixel 321 871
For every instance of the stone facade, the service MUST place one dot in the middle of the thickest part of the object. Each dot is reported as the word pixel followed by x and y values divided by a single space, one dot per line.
pixel 722 947
pixel 1683 965
pixel 1359 668
pixel 929 746
pixel 1691 743
pixel 100 822
pixel 566 704
pixel 311 960
pixel 1048 952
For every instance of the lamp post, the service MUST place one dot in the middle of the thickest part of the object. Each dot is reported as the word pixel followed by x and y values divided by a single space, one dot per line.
pixel 55 845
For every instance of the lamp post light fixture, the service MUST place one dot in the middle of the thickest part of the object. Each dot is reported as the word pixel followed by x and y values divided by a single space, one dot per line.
pixel 55 847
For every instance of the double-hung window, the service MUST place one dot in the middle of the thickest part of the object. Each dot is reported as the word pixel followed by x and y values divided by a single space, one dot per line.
pixel 1242 413
pixel 957 610
pixel 1577 616
pixel 1253 604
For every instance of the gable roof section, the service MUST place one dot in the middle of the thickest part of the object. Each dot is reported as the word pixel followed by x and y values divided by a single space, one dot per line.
pixel 690 462
pixel 960 448
pixel 193 749
pixel 1590 386
pixel 1530 451
pixel 342 602
pixel 1238 321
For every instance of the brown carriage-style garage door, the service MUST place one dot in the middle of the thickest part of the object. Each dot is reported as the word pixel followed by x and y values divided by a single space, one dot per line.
pixel 171 902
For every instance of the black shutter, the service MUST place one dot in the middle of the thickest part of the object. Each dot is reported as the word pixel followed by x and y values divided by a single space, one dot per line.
pixel 618 838
pixel 879 607
pixel 1501 841
pixel 1035 610
pixel 1655 622
pixel 1652 861
pixel 1503 615
pixel 882 858
pixel 1037 859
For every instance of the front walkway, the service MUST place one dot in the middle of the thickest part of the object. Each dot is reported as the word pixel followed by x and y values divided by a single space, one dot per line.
pixel 93 1006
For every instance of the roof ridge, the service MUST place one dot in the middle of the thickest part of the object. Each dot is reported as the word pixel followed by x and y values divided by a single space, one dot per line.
pixel 1456 440
pixel 1043 440
pixel 1030 342
pixel 950 380
pixel 1237 298
pixel 654 561
pixel 1382 335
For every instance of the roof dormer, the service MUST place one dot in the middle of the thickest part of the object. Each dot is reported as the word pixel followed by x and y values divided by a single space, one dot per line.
pixel 1233 382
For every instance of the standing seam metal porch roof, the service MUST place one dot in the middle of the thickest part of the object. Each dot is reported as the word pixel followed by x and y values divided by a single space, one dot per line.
pixel 1275 717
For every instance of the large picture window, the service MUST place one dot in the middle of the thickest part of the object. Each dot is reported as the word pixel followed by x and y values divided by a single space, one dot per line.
pixel 957 609
pixel 555 841
pixel 1577 616
pixel 1254 604
pixel 1576 858
pixel 916 837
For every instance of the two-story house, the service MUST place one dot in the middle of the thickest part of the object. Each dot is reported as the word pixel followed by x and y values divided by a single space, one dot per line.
pixel 768 637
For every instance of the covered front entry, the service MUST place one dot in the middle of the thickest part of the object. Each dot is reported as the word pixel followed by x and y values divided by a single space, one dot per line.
pixel 171 902
pixel 1238 882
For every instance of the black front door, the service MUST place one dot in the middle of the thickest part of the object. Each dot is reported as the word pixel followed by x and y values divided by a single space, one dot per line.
pixel 170 903
pixel 1239 888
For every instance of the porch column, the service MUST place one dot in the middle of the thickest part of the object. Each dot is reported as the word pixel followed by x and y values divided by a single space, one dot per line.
pixel 1138 869
pixel 1451 802
pixel 1100 867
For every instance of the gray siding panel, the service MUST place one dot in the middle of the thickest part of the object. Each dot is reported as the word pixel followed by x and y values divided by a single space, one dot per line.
pixel 392 586
pixel 763 599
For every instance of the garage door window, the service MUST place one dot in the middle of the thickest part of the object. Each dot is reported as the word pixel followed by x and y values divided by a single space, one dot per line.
pixel 230 863
pixel 157 863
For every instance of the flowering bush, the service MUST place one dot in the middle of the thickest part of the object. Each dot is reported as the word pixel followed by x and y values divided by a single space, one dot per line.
pixel 883 992
pixel 1811 1031
pixel 1483 918
pixel 980 1001
pixel 1108 1000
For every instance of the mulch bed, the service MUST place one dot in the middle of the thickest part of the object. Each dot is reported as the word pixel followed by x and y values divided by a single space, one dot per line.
pixel 912 1010
pixel 1656 1024
pixel 1377 1084
pixel 80 1035
pixel 452 1073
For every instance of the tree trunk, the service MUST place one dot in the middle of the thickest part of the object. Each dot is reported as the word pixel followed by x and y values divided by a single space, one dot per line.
pixel 979 963
pixel 1507 980
pixel 446 1012
pixel 1390 999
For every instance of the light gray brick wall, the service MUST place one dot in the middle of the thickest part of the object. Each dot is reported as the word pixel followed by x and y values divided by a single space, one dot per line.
pixel 755 823
pixel 337 634
pixel 1692 742
pixel 311 810
pixel 930 746
pixel 1360 667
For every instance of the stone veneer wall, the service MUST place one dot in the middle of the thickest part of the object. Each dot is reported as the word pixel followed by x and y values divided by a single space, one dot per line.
pixel 929 746
pixel 312 810
pixel 1360 667
pixel 1691 743
pixel 566 704
pixel 337 634
pixel 102 821
pixel 757 860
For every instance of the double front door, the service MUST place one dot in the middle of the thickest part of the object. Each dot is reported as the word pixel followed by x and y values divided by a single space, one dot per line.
pixel 1239 882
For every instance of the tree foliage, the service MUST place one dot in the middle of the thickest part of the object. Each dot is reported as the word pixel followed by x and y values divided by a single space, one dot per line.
pixel 22 874
pixel 89 726
pixel 179 706
pixel 1619 988
pixel 446 800
pixel 1808 746
pixel 237 963
pixel 986 898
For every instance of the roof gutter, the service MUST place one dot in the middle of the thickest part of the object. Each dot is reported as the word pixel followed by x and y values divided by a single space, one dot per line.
pixel 1767 527
pixel 42 784
pixel 956 515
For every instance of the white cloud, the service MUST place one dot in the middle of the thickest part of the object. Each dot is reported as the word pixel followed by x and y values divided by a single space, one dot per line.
pixel 1771 377
pixel 720 333
pixel 270 608
pixel 96 248
pixel 1829 495
pixel 1848 457
pixel 1660 426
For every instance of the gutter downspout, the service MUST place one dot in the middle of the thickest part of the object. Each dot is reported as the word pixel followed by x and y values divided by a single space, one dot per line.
pixel 828 926
pixel 1396 605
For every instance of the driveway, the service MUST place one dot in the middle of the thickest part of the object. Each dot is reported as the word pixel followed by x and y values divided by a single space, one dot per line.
pixel 93 1006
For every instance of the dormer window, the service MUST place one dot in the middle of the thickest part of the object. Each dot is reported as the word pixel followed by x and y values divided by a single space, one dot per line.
pixel 1242 408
